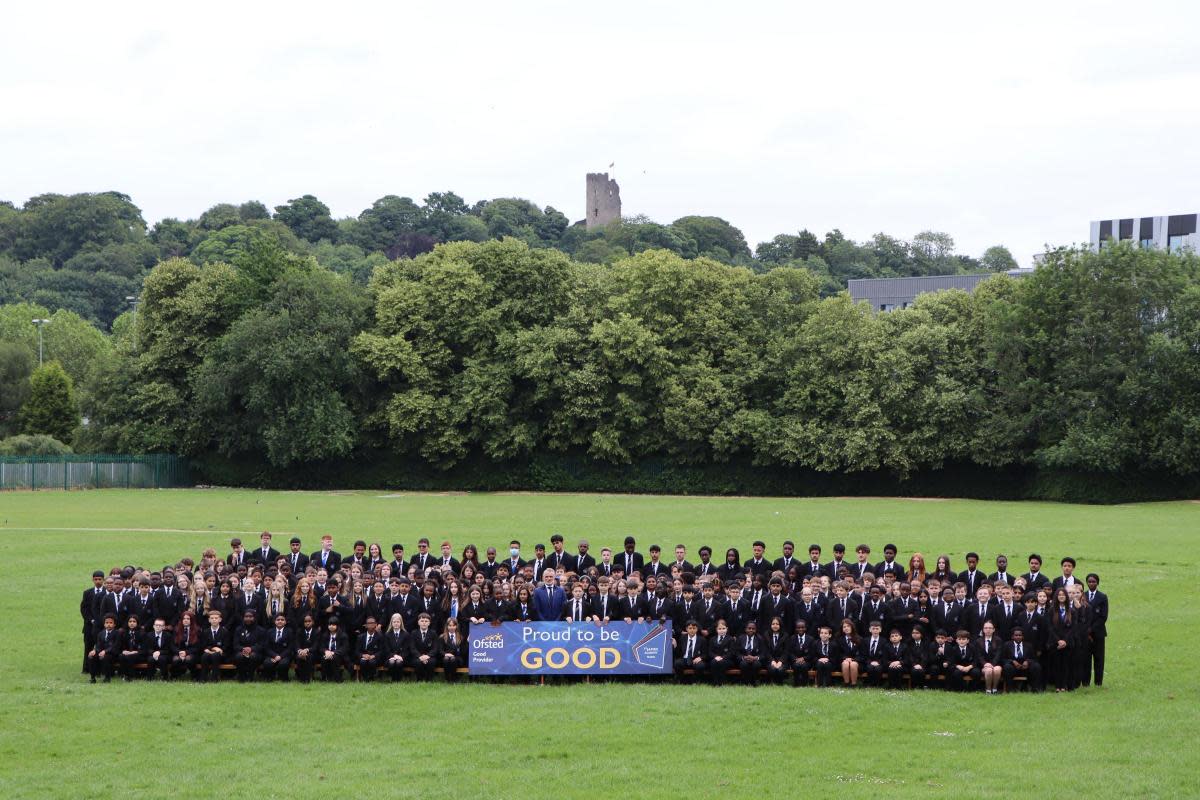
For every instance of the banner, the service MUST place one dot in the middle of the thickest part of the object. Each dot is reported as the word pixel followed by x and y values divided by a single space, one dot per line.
pixel 571 648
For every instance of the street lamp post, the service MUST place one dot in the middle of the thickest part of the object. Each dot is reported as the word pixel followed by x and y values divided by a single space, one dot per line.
pixel 133 301
pixel 40 323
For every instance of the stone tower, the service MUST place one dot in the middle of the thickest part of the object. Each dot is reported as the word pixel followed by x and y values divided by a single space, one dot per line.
pixel 603 200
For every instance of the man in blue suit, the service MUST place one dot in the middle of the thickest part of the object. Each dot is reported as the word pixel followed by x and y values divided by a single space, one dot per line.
pixel 549 598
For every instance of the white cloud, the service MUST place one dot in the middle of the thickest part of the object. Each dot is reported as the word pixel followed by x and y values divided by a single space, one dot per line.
pixel 1014 124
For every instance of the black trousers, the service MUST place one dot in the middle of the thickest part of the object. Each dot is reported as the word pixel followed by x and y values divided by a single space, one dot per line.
pixel 825 670
pixel 800 669
pixel 273 670
pixel 367 668
pixel 1097 659
pixel 1033 676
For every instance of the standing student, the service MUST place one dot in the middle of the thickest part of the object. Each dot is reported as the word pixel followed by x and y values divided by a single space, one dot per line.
pixel 1034 578
pixel 297 560
pixel 88 607
pixel 1062 641
pixel 1081 654
pixel 1098 602
pixel 278 646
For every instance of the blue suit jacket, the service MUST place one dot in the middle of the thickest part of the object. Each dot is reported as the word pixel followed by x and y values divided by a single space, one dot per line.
pixel 548 605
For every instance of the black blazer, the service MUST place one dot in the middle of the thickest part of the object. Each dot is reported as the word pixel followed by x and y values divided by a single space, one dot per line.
pixel 423 645
pixel 604 606
pixel 800 650
pixel 169 607
pixel 721 648
pixel 973 620
pixel 522 613
pixel 629 562
pixel 255 556
pixel 323 644
pixel 579 564
pixel 973 582
pixel 298 562
pixel 375 648
pixel 132 640
pixel 776 649
pixel 758 567
pixel 555 560
pixel 248 637
pixel 444 648
pixel 784 609
pixel 1098 601
pixel 107 641
pixel 1008 653
pixel 396 643
pixel 699 651
pixel 332 562
pixel 628 606
pixel 746 645
pixel 728 572
pixel 1033 583
pixel 210 639
pixel 278 644
pixel 990 652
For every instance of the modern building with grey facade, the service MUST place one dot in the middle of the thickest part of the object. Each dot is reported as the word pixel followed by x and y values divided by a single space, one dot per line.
pixel 1174 232
pixel 890 294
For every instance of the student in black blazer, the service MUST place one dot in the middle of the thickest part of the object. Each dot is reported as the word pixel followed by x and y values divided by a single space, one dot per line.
pixel 103 655
pixel 825 658
pixel 296 560
pixel 214 647
pixel 847 652
pixel 875 609
pixel 1062 640
pixel 1035 579
pixel 604 607
pixel 131 649
pixel 158 647
pixel 247 646
pixel 989 647
pixel 305 654
pixel 186 645
pixel 522 608
pixel 721 657
pixel 87 609
pixel 872 660
pixel 750 653
pixel 1098 602
pixel 277 647
pixel 474 612
pixel 977 613
pixel 450 652
pixel 776 604
pixel 1080 651
pixel 1017 660
pixel 368 650
pixel 423 646
pixel 896 658
pixel 331 651
pixel 972 576
pixel 799 653
pixel 396 649
pixel 775 649
pixel 920 661
pixel 691 650
pixel 732 568
pixel 962 662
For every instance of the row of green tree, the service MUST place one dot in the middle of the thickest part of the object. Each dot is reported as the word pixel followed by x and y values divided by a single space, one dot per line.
pixel 89 253
pixel 501 351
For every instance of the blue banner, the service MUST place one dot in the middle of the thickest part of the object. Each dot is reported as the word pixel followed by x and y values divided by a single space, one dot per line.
pixel 571 648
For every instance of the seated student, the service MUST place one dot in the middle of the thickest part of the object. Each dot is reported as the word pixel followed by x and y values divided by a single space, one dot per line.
pixel 798 653
pixel 277 649
pixel 368 650
pixel 962 662
pixel 691 650
pixel 939 656
pixel 186 645
pixel 847 652
pixel 396 652
pixel 132 648
pixel 214 646
pixel 871 658
pixel 103 655
pixel 1017 661
pixel 919 659
pixel 721 656
pixel 331 651
pixel 450 652
pixel 896 658
pixel 247 646
pixel 775 649
pixel 750 651
pixel 423 645
pixel 825 657
pixel 989 647
pixel 159 649
pixel 305 653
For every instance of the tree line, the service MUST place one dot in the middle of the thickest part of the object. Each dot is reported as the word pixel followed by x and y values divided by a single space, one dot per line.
pixel 88 253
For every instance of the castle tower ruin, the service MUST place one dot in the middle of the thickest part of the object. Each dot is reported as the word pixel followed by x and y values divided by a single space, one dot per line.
pixel 603 200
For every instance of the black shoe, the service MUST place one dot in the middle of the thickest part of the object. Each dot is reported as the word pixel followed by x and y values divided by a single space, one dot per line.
pixel 93 680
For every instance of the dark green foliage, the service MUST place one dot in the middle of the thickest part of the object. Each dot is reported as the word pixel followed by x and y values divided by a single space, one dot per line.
pixel 50 407
pixel 38 444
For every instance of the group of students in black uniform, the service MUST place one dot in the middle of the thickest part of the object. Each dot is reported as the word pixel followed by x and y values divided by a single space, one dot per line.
pixel 262 614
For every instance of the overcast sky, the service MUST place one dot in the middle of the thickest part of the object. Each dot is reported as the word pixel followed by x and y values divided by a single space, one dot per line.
pixel 1015 125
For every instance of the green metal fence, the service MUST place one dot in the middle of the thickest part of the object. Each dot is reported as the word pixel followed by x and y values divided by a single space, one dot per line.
pixel 93 472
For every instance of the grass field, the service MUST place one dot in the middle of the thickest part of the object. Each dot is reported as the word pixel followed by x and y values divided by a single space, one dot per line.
pixel 61 737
